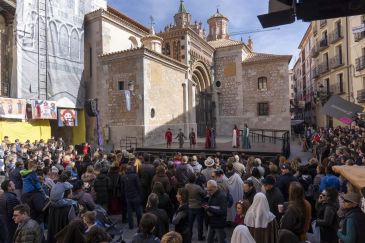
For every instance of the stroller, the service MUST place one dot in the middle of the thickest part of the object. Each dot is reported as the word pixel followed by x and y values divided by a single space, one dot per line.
pixel 103 220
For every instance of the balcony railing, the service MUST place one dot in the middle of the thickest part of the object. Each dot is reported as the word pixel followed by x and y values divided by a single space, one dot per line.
pixel 335 36
pixel 359 36
pixel 323 67
pixel 323 44
pixel 360 63
pixel 361 96
pixel 336 61
pixel 314 51
pixel 322 23
pixel 315 72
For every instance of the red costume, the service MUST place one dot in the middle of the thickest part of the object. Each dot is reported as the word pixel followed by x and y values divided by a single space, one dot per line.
pixel 168 137
pixel 208 135
pixel 85 149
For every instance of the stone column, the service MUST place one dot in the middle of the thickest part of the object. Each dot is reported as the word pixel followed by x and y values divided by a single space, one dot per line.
pixel 185 107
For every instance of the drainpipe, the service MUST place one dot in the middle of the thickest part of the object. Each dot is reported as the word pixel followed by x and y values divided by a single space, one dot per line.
pixel 348 60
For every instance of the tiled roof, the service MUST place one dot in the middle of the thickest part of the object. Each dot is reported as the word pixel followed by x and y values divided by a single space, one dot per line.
pixel 224 43
pixel 217 15
pixel 258 57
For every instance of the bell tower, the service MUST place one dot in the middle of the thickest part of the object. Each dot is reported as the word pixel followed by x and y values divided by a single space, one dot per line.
pixel 182 17
pixel 218 27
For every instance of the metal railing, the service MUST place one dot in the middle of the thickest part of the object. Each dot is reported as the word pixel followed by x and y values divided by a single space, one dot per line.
pixel 336 61
pixel 360 63
pixel 361 96
pixel 314 51
pixel 335 36
pixel 128 143
pixel 323 44
pixel 359 36
pixel 315 72
pixel 323 67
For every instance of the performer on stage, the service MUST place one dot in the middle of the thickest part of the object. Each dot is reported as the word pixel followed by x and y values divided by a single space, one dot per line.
pixel 180 136
pixel 192 138
pixel 208 136
pixel 168 138
pixel 235 137
pixel 212 130
pixel 246 138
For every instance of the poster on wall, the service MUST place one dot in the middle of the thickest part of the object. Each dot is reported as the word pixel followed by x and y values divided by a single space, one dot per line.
pixel 50 50
pixel 44 109
pixel 67 118
pixel 12 108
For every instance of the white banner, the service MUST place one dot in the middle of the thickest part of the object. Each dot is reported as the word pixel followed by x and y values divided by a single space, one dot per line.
pixel 127 94
pixel 358 29
pixel 50 49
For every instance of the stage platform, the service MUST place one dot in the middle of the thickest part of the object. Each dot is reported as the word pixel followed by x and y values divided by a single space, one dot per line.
pixel 224 146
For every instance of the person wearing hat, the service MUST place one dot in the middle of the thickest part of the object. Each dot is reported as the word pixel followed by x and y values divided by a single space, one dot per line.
pixel 352 230
pixel 284 180
pixel 273 194
pixel 207 172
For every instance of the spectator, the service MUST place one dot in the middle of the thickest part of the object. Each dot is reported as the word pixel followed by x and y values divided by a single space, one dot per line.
pixel 273 195
pixel 73 232
pixel 181 218
pixel 242 234
pixel 98 235
pixel 161 177
pixel 172 237
pixel 216 212
pixel 162 224
pixel 207 172
pixel 238 167
pixel 146 226
pixel 16 177
pixel 183 172
pixel 329 180
pixel 164 201
pixel 30 180
pixel 256 179
pixel 235 185
pixel 241 209
pixel 102 185
pixel 197 167
pixel 249 191
pixel 284 180
pixel 260 221
pixel 8 200
pixel 28 230
pixel 82 197
pixel 146 174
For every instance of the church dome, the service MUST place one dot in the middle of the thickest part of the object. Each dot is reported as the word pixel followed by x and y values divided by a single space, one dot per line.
pixel 217 15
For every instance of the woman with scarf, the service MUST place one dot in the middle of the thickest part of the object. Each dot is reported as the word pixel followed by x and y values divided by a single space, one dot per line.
pixel 181 218
pixel 260 221
pixel 242 234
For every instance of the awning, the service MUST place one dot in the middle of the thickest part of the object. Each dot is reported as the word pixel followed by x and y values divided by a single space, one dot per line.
pixel 341 109
pixel 296 122
pixel 354 174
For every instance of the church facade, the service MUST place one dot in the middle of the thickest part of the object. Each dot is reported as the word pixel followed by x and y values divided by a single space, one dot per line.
pixel 180 78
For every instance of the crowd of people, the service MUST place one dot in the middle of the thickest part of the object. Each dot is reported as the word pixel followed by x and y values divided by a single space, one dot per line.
pixel 53 192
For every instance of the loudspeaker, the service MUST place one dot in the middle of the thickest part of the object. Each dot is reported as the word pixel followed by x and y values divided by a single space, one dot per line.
pixel 91 107
pixel 218 84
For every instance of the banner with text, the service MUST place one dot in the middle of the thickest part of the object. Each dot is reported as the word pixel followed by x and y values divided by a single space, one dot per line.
pixel 12 108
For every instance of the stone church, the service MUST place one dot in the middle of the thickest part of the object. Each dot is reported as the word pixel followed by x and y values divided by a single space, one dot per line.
pixel 181 77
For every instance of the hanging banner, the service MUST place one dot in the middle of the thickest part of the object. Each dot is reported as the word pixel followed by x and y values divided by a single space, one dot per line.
pixel 67 118
pixel 50 49
pixel 44 109
pixel 127 94
pixel 12 108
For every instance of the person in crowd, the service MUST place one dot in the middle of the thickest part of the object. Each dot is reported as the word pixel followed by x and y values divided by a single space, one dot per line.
pixel 161 177
pixel 132 187
pixel 89 219
pixel 273 195
pixel 172 237
pixel 284 180
pixel 16 178
pixel 82 197
pixel 317 181
pixel 256 179
pixel 89 176
pixel 286 236
pixel 102 185
pixel 98 235
pixel 181 218
pixel 249 191
pixel 208 171
pixel 146 173
pixel 162 224
pixel 115 190
pixel 242 234
pixel 241 209
pixel 183 172
pixel 216 210
pixel 8 200
pixel 28 230
pixel 164 201
pixel 196 196
pixel 235 185
pixel 352 224
pixel 146 227
pixel 197 167
pixel 260 221
pixel 329 180
pixel 297 217
pixel 73 232
pixel 31 182
pixel 327 219
pixel 238 167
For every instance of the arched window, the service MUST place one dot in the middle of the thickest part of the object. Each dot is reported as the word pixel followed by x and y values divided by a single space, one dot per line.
pixel 167 49
pixel 75 45
pixel 134 42
pixel 64 42
pixel 53 38
pixel 262 83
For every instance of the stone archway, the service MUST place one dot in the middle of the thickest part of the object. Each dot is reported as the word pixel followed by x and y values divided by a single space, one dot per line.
pixel 204 106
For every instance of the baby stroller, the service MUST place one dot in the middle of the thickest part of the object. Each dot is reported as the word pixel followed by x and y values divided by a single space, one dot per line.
pixel 103 220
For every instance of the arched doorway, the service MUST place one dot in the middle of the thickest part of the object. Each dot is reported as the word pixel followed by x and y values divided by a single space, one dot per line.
pixel 204 105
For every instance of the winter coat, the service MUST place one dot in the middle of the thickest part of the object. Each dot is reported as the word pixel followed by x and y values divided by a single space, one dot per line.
pixel 352 230
pixel 102 188
pixel 164 180
pixel 162 225
pixel 84 198
pixel 283 184
pixel 36 202
pixel 28 232
pixel 327 220
pixel 8 201
pixel 183 173
pixel 115 183
pixel 274 197
pixel 181 222
pixel 217 210
pixel 196 195
pixel 16 177
pixel 145 238
pixel 131 186
pixel 30 181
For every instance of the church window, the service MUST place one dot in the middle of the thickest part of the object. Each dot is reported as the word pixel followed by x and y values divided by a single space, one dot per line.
pixel 262 83
pixel 121 85
pixel 263 109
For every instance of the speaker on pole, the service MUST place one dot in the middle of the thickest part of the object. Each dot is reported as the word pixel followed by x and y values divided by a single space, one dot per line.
pixel 91 107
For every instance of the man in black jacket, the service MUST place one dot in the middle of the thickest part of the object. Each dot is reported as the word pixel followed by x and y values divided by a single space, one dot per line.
pixel 8 200
pixel 216 211
pixel 273 195
pixel 284 180
pixel 131 186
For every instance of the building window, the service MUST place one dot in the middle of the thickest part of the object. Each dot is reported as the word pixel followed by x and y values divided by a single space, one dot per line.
pixel 339 53
pixel 263 109
pixel 262 83
pixel 121 85
pixel 340 83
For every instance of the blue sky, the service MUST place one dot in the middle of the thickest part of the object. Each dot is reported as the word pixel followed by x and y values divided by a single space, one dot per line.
pixel 241 13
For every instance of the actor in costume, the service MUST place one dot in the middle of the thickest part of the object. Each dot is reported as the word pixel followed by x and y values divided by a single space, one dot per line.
pixel 208 136
pixel 180 136
pixel 246 138
pixel 235 137
pixel 192 138
pixel 168 138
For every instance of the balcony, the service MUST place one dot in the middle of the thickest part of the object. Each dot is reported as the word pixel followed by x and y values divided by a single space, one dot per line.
pixel 323 67
pixel 315 72
pixel 360 63
pixel 361 96
pixel 336 61
pixel 359 36
pixel 323 44
pixel 314 51
pixel 322 23
pixel 335 36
